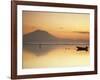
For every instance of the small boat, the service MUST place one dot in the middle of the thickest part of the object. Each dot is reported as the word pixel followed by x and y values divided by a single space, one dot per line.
pixel 82 48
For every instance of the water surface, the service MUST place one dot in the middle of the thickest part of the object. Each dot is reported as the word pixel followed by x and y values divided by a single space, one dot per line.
pixel 48 56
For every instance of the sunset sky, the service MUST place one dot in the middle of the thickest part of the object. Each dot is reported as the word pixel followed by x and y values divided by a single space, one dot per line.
pixel 61 25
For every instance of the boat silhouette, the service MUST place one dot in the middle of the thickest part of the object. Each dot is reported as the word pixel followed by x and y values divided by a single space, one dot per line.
pixel 82 48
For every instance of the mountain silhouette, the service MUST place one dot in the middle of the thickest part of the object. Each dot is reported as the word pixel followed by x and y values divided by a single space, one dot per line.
pixel 41 36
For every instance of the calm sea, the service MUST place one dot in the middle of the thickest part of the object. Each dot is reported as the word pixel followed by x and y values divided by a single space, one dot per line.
pixel 44 56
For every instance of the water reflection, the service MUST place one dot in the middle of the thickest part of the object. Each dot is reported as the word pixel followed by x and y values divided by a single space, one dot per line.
pixel 41 56
pixel 39 49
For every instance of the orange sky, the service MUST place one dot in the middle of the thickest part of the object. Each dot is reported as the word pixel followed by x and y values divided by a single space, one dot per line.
pixel 62 25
